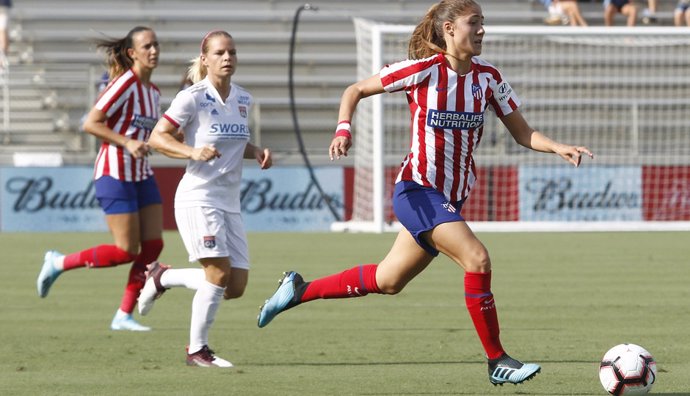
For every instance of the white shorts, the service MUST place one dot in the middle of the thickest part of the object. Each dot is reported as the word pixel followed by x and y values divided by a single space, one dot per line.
pixel 210 232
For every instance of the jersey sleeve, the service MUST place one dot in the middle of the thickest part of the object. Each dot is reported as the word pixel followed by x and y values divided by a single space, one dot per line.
pixel 405 74
pixel 504 100
pixel 181 110
pixel 114 96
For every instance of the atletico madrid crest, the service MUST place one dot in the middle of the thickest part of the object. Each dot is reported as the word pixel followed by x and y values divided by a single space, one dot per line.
pixel 477 91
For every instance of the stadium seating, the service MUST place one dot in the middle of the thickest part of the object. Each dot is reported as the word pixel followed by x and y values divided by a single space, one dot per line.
pixel 55 68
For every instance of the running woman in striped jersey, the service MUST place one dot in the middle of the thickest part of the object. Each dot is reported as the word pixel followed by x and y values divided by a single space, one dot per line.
pixel 123 117
pixel 448 89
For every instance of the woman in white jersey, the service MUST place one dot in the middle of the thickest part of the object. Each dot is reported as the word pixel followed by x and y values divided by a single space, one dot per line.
pixel 214 115
pixel 123 117
pixel 448 89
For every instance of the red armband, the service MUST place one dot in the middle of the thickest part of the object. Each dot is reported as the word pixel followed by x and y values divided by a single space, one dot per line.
pixel 343 129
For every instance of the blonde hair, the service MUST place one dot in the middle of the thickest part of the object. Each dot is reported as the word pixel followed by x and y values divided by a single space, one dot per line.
pixel 197 71
pixel 427 38
pixel 116 56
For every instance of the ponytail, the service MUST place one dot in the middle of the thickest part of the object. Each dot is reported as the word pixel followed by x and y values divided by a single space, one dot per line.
pixel 427 38
pixel 116 56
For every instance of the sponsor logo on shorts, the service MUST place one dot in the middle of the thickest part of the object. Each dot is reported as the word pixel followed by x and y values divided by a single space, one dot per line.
pixel 449 207
pixel 209 242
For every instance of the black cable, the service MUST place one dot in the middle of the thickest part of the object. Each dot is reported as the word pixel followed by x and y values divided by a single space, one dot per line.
pixel 293 110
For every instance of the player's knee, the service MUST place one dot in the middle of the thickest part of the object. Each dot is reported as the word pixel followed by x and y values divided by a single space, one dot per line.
pixel 391 286
pixel 233 292
pixel 478 261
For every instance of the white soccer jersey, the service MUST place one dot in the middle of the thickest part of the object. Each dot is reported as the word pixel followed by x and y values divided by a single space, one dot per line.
pixel 447 118
pixel 132 109
pixel 206 119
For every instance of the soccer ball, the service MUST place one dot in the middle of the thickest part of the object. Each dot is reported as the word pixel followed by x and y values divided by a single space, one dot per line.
pixel 627 369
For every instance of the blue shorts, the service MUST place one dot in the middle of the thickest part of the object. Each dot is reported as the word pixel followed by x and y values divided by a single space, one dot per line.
pixel 420 209
pixel 619 4
pixel 116 196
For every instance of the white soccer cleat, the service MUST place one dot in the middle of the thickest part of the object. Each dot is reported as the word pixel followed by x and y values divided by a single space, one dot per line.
pixel 152 289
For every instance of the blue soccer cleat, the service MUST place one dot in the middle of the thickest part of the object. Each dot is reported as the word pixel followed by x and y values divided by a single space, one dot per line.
pixel 125 321
pixel 282 299
pixel 48 273
pixel 508 370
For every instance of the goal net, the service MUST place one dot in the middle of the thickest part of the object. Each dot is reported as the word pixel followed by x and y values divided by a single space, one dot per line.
pixel 622 92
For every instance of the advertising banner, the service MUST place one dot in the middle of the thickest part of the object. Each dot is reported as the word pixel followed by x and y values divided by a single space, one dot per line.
pixel 49 199
pixel 286 199
pixel 590 193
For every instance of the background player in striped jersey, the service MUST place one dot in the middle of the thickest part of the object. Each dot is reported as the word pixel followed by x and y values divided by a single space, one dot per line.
pixel 448 89
pixel 214 114
pixel 122 118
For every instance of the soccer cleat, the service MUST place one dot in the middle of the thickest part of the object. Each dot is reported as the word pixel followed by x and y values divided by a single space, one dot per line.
pixel 282 299
pixel 506 369
pixel 48 273
pixel 205 357
pixel 152 289
pixel 125 321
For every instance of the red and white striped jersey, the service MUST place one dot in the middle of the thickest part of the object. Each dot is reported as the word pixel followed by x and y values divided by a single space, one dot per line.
pixel 447 118
pixel 132 109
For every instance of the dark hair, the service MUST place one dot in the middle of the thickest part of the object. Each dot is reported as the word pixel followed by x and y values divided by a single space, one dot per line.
pixel 116 51
pixel 427 38
pixel 197 71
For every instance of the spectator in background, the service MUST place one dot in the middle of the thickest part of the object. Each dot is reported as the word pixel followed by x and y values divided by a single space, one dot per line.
pixel 681 15
pixel 122 118
pixel 214 115
pixel 5 6
pixel 571 10
pixel 649 13
pixel 625 7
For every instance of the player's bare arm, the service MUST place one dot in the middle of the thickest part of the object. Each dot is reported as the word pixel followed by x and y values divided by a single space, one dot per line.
pixel 528 137
pixel 348 103
pixel 95 124
pixel 164 140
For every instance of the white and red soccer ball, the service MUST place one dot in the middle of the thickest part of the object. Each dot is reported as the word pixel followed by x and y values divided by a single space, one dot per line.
pixel 627 369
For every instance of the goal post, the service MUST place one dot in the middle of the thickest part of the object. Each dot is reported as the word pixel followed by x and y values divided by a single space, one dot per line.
pixel 623 92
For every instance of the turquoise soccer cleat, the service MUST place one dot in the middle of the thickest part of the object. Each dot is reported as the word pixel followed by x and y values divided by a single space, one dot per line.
pixel 48 273
pixel 282 299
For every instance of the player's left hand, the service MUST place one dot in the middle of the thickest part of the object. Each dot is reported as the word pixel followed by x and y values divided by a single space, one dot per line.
pixel 339 146
pixel 263 157
pixel 573 154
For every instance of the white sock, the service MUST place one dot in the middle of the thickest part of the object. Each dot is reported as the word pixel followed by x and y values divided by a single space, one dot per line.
pixel 191 278
pixel 204 307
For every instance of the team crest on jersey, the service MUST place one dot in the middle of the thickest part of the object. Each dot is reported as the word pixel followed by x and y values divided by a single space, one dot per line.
pixel 477 91
pixel 209 242
pixel 243 111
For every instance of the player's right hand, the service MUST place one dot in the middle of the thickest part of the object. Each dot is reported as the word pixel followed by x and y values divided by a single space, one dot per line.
pixel 339 146
pixel 205 153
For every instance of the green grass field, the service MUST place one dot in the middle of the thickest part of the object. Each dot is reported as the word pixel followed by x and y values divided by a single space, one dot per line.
pixel 563 299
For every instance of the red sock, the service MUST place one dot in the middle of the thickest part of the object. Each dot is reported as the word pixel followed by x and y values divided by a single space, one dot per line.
pixel 97 257
pixel 354 282
pixel 480 304
pixel 150 250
